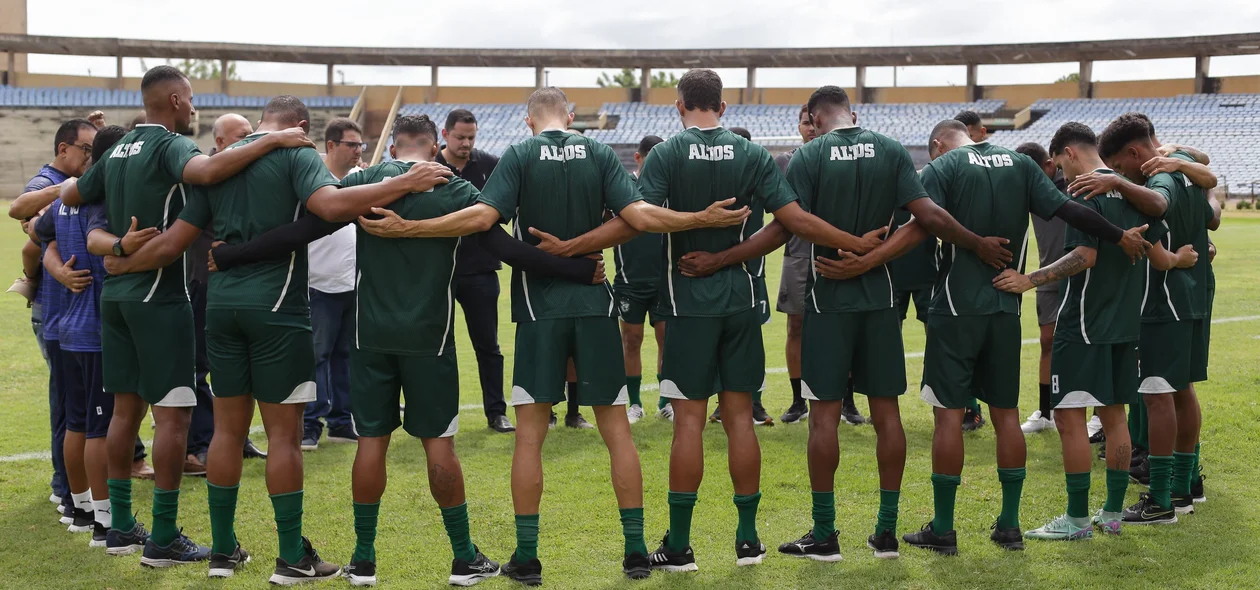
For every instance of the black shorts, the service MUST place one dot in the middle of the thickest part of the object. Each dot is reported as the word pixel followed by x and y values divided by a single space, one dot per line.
pixel 88 407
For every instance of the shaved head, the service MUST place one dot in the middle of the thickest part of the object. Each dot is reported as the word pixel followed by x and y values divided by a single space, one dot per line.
pixel 287 111
pixel 229 129
pixel 547 102
pixel 947 135
pixel 167 96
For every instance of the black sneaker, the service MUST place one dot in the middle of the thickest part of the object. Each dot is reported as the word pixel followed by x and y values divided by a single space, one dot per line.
pixel 1139 455
pixel 1196 488
pixel 309 568
pixel 885 545
pixel 100 535
pixel 552 422
pixel 636 566
pixel 747 553
pixel 343 435
pixel 469 573
pixel 1141 474
pixel 760 416
pixel 1011 539
pixel 664 559
pixel 849 412
pixel 972 420
pixel 1102 453
pixel 528 573
pixel 1098 438
pixel 1146 511
pixel 716 416
pixel 310 443
pixel 1183 504
pixel 796 412
pixel 577 421
pixel 223 566
pixel 120 543
pixel 181 551
pixel 926 538
pixel 81 521
pixel 360 573
pixel 810 548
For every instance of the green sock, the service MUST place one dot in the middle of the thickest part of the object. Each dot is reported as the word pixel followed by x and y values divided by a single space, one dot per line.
pixel 632 530
pixel 1117 485
pixel 120 505
pixel 288 509
pixel 365 531
pixel 1012 479
pixel 1078 494
pixel 1161 480
pixel 222 501
pixel 1182 474
pixel 944 490
pixel 747 507
pixel 165 512
pixel 681 505
pixel 886 519
pixel 973 405
pixel 824 514
pixel 526 538
pixel 455 519
pixel 633 384
pixel 1194 469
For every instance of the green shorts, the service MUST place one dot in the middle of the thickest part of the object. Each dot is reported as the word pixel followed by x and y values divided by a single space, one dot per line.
pixel 1091 375
pixel 429 384
pixel 922 299
pixel 763 299
pixel 1207 335
pixel 150 349
pixel 635 307
pixel 543 350
pixel 1173 355
pixel 865 345
pixel 266 354
pixel 972 356
pixel 706 355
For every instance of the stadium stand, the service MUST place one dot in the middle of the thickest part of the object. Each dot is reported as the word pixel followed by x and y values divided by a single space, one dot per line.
pixel 102 98
pixel 498 125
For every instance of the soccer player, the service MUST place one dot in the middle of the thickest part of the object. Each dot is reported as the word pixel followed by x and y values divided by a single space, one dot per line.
pixel 146 336
pixel 975 127
pixel 973 330
pixel 1173 343
pixel 1094 363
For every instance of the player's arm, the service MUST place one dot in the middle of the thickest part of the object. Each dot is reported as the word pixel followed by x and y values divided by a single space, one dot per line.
pixel 471 220
pixel 814 230
pixel 1199 174
pixel 645 217
pixel 1162 259
pixel 1094 224
pixel 29 203
pixel 528 258
pixel 202 169
pixel 101 243
pixel 937 221
pixel 32 262
pixel 275 244
pixel 766 240
pixel 74 280
pixel 158 252
pixel 1214 220
pixel 337 204
pixel 1198 155
pixel 613 232
pixel 1072 263
pixel 1145 200
pixel 849 265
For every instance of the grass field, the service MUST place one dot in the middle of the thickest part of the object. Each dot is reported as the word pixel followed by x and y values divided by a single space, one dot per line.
pixel 581 543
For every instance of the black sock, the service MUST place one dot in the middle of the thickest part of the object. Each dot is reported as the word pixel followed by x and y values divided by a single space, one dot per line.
pixel 796 390
pixel 1044 399
pixel 571 390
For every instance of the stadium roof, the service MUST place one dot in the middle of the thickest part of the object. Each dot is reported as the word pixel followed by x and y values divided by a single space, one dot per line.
pixel 923 55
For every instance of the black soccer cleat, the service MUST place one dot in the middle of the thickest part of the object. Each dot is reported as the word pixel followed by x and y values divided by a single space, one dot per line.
pixel 810 548
pixel 1141 473
pixel 81 521
pixel 1196 487
pixel 1183 504
pixel 469 573
pixel 926 538
pixel 972 420
pixel 849 412
pixel 666 560
pixel 181 551
pixel 528 573
pixel 307 569
pixel 885 545
pixel 795 413
pixel 1146 511
pixel 360 573
pixel 1098 438
pixel 1011 539
pixel 100 535
pixel 749 553
pixel 223 565
pixel 636 566
pixel 120 543
pixel 760 416
pixel 1139 455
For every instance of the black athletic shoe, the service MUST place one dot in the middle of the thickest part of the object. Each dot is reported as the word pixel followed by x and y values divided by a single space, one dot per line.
pixel 469 573
pixel 1183 504
pixel 972 420
pixel 810 548
pixel 1102 453
pixel 885 545
pixel 1141 474
pixel 747 553
pixel 1138 457
pixel 1196 488
pixel 100 535
pixel 760 416
pixel 81 521
pixel 528 573
pixel 1011 539
pixel 577 421
pixel 716 416
pixel 552 422
pixel 120 543
pixel 1146 511
pixel 360 573
pixel 223 566
pixel 251 451
pixel 796 412
pixel 636 566
pixel 1098 438
pixel 501 424
pixel 926 538
pixel 664 559
pixel 181 551
pixel 849 412
pixel 307 569
pixel 343 435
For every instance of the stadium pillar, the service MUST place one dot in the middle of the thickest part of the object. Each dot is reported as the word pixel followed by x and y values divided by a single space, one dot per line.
pixel 859 84
pixel 1086 76
pixel 750 93
pixel 540 77
pixel 330 79
pixel 645 83
pixel 118 71
pixel 1201 64
pixel 433 84
pixel 223 76
pixel 972 74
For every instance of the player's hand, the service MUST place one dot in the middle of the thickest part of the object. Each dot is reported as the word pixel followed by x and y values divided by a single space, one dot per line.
pixel 717 214
pixel 599 277
pixel 134 238
pixel 67 183
pixel 1211 252
pixel 871 240
pixel 1186 256
pixel 1093 184
pixel 390 225
pixel 847 267
pixel 1133 243
pixel 1159 164
pixel 424 176
pixel 1166 149
pixel 210 255
pixel 550 244
pixel 993 252
pixel 74 280
pixel 700 264
pixel 97 119
pixel 293 137
pixel 117 265
pixel 1012 281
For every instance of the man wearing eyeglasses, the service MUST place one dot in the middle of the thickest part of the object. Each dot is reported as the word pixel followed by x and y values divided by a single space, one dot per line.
pixel 331 278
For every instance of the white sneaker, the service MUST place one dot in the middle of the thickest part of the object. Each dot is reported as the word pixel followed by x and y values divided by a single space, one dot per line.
pixel 666 412
pixel 1094 426
pixel 1036 423
pixel 634 413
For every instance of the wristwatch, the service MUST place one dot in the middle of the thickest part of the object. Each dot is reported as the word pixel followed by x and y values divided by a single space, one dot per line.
pixel 118 249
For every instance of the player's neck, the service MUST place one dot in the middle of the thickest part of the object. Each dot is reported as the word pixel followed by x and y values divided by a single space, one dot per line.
pixel 452 159
pixel 267 127
pixel 701 119
pixel 412 156
pixel 1094 163
pixel 541 125
pixel 166 120
pixel 827 125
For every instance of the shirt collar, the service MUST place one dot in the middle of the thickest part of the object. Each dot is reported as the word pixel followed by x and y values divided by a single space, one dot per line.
pixel 151 125
pixel 698 128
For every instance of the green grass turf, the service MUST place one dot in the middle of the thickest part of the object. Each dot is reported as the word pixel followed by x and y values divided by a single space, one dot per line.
pixel 581 540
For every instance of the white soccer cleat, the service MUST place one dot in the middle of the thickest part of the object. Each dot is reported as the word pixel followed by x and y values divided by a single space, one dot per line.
pixel 1036 423
pixel 635 413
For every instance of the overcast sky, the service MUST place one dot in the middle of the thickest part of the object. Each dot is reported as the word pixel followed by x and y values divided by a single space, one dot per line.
pixel 648 24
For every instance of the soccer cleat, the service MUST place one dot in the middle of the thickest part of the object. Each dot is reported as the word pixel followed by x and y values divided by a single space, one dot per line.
pixel 926 538
pixel 1196 488
pixel 666 413
pixel 310 443
pixel 1138 457
pixel 1009 539
pixel 81 521
pixel 810 548
pixel 670 561
pixel 1062 528
pixel 1108 522
pixel 636 566
pixel 120 543
pixel 1093 427
pixel 577 421
pixel 1036 423
pixel 552 422
pixel 528 573
pixel 635 413
pixel 760 416
pixel 1099 438
pixel 1141 474
pixel 223 566
pixel 972 420
pixel 1183 504
pixel 179 552
pixel 469 573
pixel 885 545
pixel 716 416
pixel 307 569
pixel 747 553
pixel 849 412
pixel 1146 511
pixel 100 535
pixel 343 435
pixel 360 573
pixel 796 412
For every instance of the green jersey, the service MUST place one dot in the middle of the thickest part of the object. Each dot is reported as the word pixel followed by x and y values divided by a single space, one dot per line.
pixel 689 172
pixel 638 264
pixel 267 194
pixel 990 190
pixel 142 177
pixel 915 270
pixel 403 298
pixel 1181 293
pixel 1103 305
pixel 559 183
pixel 853 179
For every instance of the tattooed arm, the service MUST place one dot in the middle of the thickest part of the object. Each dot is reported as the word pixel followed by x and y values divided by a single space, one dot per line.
pixel 1076 261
